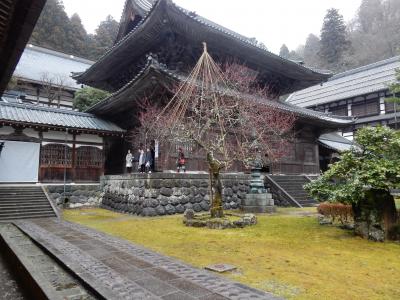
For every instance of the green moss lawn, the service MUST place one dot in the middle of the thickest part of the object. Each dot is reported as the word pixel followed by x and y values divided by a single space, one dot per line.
pixel 288 253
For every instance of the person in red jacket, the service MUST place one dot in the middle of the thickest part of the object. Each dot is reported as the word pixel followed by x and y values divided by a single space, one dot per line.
pixel 180 163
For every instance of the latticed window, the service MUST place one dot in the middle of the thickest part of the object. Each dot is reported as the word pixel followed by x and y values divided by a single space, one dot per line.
pixel 56 155
pixel 309 154
pixel 339 111
pixel 365 109
pixel 389 107
pixel 89 157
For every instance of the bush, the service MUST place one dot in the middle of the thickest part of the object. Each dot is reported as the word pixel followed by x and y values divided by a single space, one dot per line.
pixel 336 212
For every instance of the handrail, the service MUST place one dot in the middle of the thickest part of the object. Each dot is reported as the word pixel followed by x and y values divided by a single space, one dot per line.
pixel 54 207
pixel 282 190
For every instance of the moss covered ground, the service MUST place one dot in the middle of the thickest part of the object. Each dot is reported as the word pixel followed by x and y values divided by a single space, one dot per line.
pixel 287 253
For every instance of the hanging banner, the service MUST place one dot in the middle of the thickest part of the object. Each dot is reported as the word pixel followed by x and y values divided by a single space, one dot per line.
pixel 156 148
pixel 19 161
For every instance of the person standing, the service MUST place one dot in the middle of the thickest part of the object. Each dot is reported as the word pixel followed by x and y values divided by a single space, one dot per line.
pixel 129 159
pixel 148 160
pixel 181 161
pixel 141 162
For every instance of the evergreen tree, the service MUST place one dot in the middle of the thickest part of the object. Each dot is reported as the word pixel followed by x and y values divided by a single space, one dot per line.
pixel 311 50
pixel 284 51
pixel 52 28
pixel 370 15
pixel 104 37
pixel 334 42
pixel 78 37
pixel 87 97
pixel 395 89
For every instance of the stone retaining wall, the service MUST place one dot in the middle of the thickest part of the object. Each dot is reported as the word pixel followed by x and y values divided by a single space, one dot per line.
pixel 168 193
pixel 79 195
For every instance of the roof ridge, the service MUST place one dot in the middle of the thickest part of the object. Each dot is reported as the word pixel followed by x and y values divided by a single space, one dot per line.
pixel 205 22
pixel 365 67
pixel 59 53
pixel 48 109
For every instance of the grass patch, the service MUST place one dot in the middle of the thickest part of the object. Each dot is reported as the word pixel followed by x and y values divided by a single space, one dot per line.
pixel 397 202
pixel 287 253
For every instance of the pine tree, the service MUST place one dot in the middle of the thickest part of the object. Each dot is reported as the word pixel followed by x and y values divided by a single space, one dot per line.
pixel 334 41
pixel 104 37
pixel 284 51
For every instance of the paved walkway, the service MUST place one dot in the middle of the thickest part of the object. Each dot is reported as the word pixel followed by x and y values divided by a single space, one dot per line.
pixel 118 269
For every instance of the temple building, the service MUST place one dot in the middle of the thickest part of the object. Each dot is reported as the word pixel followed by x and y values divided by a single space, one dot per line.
pixel 360 93
pixel 158 43
pixel 43 77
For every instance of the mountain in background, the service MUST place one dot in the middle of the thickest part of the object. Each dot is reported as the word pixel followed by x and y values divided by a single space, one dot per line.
pixel 372 35
pixel 56 31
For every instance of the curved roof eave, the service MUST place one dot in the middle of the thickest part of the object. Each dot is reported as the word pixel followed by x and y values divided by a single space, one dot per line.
pixel 153 65
pixel 165 4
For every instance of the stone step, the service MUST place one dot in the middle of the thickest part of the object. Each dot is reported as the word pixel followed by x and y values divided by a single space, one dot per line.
pixel 16 199
pixel 41 275
pixel 27 216
pixel 5 213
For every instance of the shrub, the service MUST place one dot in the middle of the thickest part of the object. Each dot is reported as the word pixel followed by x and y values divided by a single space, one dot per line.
pixel 336 211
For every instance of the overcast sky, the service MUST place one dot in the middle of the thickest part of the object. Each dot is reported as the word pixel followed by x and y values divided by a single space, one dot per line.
pixel 272 22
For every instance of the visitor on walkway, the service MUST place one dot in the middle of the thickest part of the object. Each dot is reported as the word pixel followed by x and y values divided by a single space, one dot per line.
pixel 148 160
pixel 141 162
pixel 129 159
pixel 180 162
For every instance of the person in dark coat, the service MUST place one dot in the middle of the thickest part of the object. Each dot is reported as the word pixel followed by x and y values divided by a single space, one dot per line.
pixel 149 160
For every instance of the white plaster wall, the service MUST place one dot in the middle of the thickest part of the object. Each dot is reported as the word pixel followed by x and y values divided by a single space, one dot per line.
pixel 31 132
pixel 6 130
pixel 91 138
pixel 57 135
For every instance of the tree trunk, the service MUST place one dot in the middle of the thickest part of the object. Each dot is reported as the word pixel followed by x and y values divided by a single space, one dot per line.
pixel 375 216
pixel 215 166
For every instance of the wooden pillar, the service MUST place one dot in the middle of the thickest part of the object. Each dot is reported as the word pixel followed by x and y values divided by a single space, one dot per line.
pixel 73 162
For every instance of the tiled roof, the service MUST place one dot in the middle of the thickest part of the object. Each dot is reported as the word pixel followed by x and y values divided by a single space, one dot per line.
pixel 298 71
pixel 155 65
pixel 54 117
pixel 335 141
pixel 364 80
pixel 36 61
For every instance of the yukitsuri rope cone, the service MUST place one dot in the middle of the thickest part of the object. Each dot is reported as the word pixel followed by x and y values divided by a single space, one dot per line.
pixel 226 123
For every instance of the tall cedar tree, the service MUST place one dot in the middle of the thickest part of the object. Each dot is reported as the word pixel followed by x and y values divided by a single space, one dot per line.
pixel 334 42
pixel 311 50
pixel 52 28
pixel 104 37
pixel 284 51
pixel 78 37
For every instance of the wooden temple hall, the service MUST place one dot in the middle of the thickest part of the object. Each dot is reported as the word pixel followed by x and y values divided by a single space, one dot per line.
pixel 157 44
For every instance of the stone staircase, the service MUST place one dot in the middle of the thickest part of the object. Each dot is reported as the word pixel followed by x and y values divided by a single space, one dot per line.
pixel 24 202
pixel 290 189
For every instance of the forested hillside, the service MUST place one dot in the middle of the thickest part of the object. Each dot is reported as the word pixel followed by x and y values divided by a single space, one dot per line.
pixel 372 35
pixel 56 31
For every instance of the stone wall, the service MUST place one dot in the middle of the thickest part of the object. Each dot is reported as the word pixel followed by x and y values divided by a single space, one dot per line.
pixel 168 193
pixel 79 195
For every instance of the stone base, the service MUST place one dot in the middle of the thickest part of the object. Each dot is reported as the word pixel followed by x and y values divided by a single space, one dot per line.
pixel 258 203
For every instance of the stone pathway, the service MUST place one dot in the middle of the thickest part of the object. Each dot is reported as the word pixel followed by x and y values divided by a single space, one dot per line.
pixel 118 269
